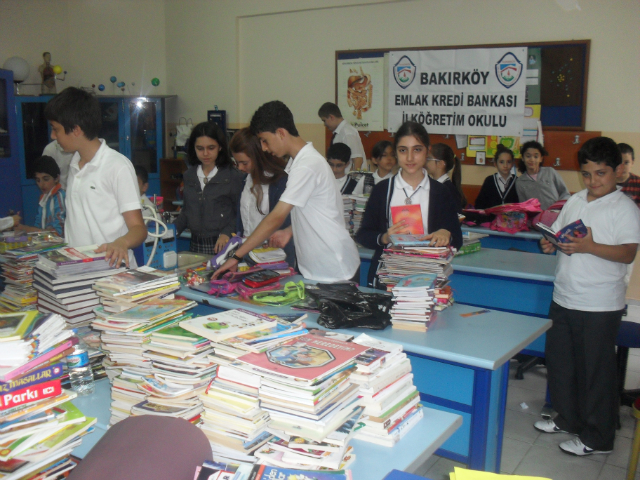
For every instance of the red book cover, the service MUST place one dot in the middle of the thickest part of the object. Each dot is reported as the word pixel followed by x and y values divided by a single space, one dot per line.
pixel 31 394
pixel 412 216
pixel 307 357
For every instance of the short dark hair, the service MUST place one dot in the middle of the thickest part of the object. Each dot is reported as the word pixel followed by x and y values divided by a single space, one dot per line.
pixel 142 174
pixel 272 116
pixel 213 131
pixel 600 150
pixel 526 146
pixel 339 151
pixel 378 149
pixel 329 108
pixel 48 165
pixel 75 107
pixel 411 129
pixel 626 148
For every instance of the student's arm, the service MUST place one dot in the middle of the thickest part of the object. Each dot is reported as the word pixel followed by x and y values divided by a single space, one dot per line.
pixel 118 250
pixel 10 221
pixel 614 253
pixel 357 163
pixel 27 229
pixel 280 238
pixel 547 246
pixel 264 230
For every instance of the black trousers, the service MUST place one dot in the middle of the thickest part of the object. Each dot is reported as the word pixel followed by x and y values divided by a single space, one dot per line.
pixel 581 369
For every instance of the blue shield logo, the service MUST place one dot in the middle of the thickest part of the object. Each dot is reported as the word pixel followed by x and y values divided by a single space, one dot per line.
pixel 404 71
pixel 508 70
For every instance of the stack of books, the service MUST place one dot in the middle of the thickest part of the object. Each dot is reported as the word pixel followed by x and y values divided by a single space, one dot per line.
pixel 359 204
pixel 131 288
pixel 220 468
pixel 410 255
pixel 64 278
pixel 414 300
pixel 390 399
pixel 17 273
pixel 39 426
pixel 470 242
pixel 348 205
pixel 306 389
pixel 269 258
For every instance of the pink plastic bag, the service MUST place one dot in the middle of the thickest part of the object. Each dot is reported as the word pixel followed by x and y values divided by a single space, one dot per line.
pixel 547 217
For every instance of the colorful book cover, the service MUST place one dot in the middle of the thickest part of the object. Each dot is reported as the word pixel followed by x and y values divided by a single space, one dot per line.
pixel 129 279
pixel 307 357
pixel 151 310
pixel 16 326
pixel 412 216
pixel 47 373
pixel 409 240
pixel 423 280
pixel 70 256
pixel 576 229
pixel 223 325
pixel 31 394
pixel 265 472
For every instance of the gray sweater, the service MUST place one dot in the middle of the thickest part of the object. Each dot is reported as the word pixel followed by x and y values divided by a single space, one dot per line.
pixel 548 187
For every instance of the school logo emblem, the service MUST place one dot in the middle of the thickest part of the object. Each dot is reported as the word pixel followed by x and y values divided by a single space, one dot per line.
pixel 404 71
pixel 508 70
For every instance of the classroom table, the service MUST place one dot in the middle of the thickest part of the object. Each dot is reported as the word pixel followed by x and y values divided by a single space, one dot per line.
pixel 460 365
pixel 523 241
pixel 372 461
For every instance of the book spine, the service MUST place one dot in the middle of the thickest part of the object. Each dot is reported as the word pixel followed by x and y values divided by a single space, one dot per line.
pixel 30 394
pixel 48 373
pixel 48 355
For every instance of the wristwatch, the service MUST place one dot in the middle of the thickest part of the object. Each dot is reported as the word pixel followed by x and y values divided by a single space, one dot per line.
pixel 235 257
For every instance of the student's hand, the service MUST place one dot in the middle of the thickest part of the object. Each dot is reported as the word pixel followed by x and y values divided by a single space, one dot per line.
pixel 280 238
pixel 439 238
pixel 19 227
pixel 230 265
pixel 578 245
pixel 547 246
pixel 16 219
pixel 222 241
pixel 116 252
pixel 395 229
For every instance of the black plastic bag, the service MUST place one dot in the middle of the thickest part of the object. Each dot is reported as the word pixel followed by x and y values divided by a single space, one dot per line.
pixel 342 305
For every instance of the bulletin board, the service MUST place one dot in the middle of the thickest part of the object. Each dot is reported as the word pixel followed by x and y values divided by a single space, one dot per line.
pixel 561 82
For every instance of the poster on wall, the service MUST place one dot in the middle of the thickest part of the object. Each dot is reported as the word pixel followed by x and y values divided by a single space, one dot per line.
pixel 467 91
pixel 361 92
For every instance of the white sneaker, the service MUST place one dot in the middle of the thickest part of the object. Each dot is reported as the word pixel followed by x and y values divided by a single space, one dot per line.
pixel 576 447
pixel 548 426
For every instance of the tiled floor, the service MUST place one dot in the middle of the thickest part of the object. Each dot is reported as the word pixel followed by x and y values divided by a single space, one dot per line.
pixel 528 452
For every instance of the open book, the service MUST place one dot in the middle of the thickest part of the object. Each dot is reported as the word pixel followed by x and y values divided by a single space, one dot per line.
pixel 576 229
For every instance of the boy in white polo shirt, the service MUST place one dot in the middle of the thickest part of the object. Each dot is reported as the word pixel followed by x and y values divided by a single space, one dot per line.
pixel 324 249
pixel 588 301
pixel 103 203
pixel 343 132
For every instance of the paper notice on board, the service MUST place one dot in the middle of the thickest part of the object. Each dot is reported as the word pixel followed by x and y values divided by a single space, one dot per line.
pixel 461 141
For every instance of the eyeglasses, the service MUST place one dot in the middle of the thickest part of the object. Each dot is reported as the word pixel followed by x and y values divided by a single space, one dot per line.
pixel 434 159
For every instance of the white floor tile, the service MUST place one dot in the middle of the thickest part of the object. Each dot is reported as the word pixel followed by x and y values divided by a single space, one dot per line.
pixel 552 463
pixel 442 468
pixel 533 399
pixel 519 426
pixel 513 451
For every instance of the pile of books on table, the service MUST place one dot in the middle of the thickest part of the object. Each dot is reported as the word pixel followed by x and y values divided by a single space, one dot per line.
pixel 359 204
pixel 410 255
pixel 64 278
pixel 387 392
pixel 270 258
pixel 17 272
pixel 39 426
pixel 245 471
pixel 414 299
pixel 348 204
pixel 470 242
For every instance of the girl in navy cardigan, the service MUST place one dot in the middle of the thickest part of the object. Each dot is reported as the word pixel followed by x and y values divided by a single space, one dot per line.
pixel 499 188
pixel 266 180
pixel 412 185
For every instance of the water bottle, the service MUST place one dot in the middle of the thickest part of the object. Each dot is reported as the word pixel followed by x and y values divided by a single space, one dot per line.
pixel 80 373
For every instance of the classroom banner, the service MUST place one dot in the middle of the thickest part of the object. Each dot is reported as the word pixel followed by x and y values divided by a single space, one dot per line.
pixel 361 92
pixel 467 91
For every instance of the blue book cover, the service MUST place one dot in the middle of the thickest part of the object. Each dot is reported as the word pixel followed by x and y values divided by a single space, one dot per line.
pixel 264 472
pixel 42 375
pixel 423 280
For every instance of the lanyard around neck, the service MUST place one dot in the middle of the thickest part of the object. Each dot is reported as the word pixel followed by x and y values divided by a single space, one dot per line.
pixel 407 201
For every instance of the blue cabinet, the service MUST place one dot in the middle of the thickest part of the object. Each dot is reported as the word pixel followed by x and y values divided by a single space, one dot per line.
pixel 134 126
pixel 10 199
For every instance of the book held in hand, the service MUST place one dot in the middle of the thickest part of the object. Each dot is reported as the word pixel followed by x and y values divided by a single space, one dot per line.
pixel 412 216
pixel 576 229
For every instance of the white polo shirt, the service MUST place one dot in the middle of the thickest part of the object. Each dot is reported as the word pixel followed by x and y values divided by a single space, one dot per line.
pixel 359 188
pixel 419 196
pixel 97 196
pixel 347 134
pixel 584 281
pixel 324 249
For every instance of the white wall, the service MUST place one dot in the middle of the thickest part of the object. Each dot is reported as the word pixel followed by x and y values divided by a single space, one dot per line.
pixel 92 40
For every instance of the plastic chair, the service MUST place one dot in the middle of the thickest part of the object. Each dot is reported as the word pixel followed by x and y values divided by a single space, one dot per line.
pixel 635 446
pixel 147 447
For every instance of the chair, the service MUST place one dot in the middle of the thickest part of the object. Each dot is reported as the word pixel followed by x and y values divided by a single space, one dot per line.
pixel 147 447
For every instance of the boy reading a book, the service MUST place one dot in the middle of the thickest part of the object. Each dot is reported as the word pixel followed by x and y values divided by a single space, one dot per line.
pixel 51 208
pixel 103 203
pixel 588 300
pixel 324 249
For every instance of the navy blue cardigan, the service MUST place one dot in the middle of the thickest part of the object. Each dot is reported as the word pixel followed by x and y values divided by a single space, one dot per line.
pixel 375 222
pixel 275 192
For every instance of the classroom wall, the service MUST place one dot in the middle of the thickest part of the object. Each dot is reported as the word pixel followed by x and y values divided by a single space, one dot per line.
pixel 92 40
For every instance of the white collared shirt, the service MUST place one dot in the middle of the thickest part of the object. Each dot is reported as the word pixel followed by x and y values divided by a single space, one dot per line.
pixel 251 216
pixel 202 176
pixel 341 181
pixel 359 188
pixel 62 158
pixel 347 134
pixel 586 282
pixel 501 183
pixel 444 178
pixel 419 195
pixel 324 249
pixel 97 196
